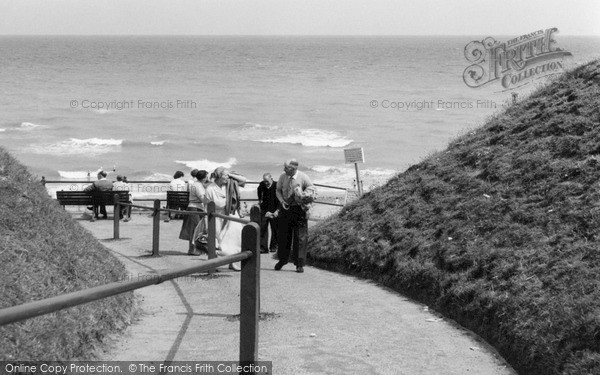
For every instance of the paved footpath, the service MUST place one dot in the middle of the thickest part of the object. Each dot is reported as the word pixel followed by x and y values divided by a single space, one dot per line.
pixel 318 322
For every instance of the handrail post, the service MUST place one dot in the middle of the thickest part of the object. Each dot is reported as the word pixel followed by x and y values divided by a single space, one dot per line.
pixel 212 229
pixel 250 296
pixel 116 218
pixel 255 214
pixel 156 228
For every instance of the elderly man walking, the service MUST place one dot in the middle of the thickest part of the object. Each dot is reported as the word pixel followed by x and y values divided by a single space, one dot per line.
pixel 295 193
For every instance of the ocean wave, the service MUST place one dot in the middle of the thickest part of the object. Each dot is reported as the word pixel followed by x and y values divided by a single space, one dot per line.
pixel 156 176
pixel 256 126
pixel 291 135
pixel 207 165
pixel 28 126
pixel 311 138
pixel 326 169
pixel 76 175
pixel 73 146
pixel 346 176
pixel 96 142
pixel 141 143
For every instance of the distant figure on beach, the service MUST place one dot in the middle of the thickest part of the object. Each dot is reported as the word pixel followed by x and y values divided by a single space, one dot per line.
pixel 224 193
pixel 295 193
pixel 197 202
pixel 267 199
pixel 121 185
pixel 178 184
pixel 101 185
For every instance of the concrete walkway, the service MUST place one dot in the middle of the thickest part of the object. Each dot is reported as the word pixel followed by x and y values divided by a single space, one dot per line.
pixel 317 322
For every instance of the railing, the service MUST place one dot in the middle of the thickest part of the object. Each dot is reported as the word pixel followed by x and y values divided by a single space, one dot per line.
pixel 249 281
pixel 346 190
pixel 156 210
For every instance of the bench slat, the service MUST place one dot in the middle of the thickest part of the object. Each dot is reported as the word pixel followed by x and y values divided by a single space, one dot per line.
pixel 178 199
pixel 82 198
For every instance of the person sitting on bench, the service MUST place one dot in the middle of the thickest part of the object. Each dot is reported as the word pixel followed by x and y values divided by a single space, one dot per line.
pixel 122 185
pixel 101 185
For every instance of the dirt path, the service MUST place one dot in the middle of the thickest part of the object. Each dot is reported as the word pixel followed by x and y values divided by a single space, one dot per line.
pixel 317 322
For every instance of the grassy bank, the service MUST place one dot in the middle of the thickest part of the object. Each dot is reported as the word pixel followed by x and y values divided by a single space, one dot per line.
pixel 500 231
pixel 44 253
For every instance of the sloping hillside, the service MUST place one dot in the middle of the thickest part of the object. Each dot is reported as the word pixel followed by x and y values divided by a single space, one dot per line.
pixel 501 231
pixel 44 253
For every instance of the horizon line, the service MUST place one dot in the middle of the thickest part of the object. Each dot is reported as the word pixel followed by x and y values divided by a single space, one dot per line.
pixel 278 35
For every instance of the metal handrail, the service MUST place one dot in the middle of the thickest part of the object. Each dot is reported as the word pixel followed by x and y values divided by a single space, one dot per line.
pixel 49 305
pixel 249 290
pixel 44 181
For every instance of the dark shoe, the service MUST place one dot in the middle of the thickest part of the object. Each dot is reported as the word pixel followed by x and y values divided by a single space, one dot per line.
pixel 104 217
pixel 264 251
pixel 274 250
pixel 194 252
pixel 279 265
pixel 90 208
pixel 300 269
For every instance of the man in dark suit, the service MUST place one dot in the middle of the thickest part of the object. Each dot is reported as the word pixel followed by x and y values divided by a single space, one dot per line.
pixel 295 193
pixel 98 186
pixel 267 199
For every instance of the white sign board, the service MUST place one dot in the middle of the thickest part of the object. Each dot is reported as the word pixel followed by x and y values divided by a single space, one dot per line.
pixel 354 155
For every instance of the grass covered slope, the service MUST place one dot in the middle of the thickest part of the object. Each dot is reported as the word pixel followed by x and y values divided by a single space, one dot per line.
pixel 44 253
pixel 500 232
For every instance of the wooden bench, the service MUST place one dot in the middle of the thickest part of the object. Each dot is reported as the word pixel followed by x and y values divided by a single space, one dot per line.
pixel 83 198
pixel 177 200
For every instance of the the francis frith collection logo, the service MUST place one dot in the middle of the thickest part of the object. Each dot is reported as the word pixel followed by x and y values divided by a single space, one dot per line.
pixel 515 62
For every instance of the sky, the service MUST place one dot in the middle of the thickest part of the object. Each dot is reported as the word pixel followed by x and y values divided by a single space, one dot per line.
pixel 300 17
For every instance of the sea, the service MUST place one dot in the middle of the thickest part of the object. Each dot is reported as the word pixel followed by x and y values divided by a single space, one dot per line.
pixel 147 106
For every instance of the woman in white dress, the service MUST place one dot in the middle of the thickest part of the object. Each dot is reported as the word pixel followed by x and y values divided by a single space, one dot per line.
pixel 228 233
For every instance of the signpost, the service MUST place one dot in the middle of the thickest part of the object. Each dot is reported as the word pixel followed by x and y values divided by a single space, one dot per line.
pixel 355 155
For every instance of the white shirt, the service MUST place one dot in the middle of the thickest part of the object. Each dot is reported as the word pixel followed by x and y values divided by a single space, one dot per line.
pixel 217 194
pixel 178 185
pixel 197 195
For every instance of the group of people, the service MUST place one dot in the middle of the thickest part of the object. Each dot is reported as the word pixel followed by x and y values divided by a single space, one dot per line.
pixel 222 188
pixel 102 184
pixel 285 205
